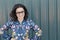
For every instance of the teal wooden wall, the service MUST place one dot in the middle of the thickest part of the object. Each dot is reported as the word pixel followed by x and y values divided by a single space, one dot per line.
pixel 45 13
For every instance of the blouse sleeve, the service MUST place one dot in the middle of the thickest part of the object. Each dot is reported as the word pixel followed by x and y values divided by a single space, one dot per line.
pixel 4 31
pixel 37 30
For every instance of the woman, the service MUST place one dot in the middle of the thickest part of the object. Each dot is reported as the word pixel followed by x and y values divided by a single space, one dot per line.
pixel 20 26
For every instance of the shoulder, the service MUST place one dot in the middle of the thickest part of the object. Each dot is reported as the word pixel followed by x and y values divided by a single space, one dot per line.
pixel 9 22
pixel 30 22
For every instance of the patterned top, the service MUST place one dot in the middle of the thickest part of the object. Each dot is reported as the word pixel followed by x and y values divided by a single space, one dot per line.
pixel 13 29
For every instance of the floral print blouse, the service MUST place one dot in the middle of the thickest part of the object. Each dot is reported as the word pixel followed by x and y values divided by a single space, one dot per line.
pixel 19 31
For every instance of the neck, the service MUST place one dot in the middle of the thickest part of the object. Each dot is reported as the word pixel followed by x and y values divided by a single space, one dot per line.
pixel 20 20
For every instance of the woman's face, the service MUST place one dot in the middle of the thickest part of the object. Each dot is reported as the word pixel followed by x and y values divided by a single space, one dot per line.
pixel 20 13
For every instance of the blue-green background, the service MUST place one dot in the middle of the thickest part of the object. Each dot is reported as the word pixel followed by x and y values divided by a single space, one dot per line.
pixel 45 13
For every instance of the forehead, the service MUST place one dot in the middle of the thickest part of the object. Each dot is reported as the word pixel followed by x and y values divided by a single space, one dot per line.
pixel 19 9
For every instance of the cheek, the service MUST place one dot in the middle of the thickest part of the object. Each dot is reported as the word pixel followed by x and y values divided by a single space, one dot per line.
pixel 24 14
pixel 17 15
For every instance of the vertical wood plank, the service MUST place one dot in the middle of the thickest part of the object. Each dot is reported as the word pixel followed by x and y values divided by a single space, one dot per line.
pixel 52 19
pixel 44 19
pixel 58 2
